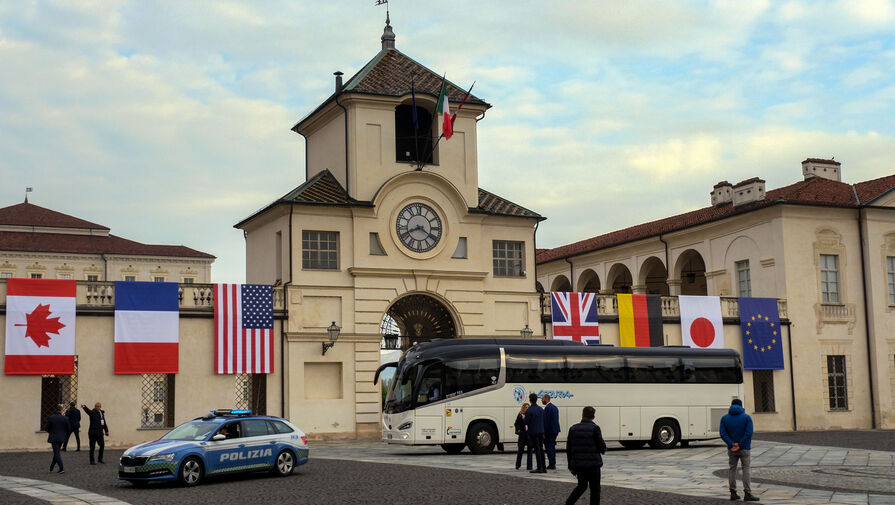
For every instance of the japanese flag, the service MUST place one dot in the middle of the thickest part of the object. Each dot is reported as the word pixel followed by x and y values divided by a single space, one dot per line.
pixel 40 327
pixel 701 324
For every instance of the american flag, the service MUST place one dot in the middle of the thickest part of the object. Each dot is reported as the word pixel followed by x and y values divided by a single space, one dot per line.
pixel 575 317
pixel 243 328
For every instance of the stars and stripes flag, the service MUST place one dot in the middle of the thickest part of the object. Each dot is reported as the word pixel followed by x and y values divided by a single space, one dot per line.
pixel 243 328
pixel 575 317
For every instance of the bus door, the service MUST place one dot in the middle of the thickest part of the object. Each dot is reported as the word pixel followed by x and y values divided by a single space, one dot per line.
pixel 430 416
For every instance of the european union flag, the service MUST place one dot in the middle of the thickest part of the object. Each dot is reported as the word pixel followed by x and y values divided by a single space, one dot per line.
pixel 762 339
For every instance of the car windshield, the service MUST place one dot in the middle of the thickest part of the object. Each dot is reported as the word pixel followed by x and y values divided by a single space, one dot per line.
pixel 193 430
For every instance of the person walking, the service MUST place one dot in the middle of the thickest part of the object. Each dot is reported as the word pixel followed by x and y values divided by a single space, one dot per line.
pixel 584 451
pixel 522 440
pixel 551 430
pixel 534 421
pixel 74 421
pixel 98 426
pixel 57 429
pixel 736 431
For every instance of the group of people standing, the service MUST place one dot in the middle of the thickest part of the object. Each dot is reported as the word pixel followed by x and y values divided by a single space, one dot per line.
pixel 537 428
pixel 65 423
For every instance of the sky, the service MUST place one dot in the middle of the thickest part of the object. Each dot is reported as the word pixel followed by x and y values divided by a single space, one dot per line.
pixel 169 121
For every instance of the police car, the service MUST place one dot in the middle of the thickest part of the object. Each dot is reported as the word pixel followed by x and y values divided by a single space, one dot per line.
pixel 221 442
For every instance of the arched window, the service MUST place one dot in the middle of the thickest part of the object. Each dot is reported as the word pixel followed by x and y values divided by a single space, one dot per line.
pixel 413 141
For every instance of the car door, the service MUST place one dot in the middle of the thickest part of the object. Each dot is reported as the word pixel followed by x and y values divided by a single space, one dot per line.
pixel 224 455
pixel 260 443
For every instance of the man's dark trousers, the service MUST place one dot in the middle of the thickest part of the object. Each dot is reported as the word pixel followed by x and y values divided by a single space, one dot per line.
pixel 57 456
pixel 96 438
pixel 587 477
pixel 77 434
pixel 536 442
pixel 550 448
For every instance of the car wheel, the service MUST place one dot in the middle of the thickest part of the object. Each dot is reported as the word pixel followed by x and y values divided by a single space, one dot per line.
pixel 191 472
pixel 666 434
pixel 284 464
pixel 453 448
pixel 481 438
pixel 632 444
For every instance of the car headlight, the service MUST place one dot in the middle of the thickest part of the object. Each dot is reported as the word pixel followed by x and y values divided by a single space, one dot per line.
pixel 405 426
pixel 162 457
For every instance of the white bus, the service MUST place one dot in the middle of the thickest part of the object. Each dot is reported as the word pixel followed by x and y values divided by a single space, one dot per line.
pixel 466 392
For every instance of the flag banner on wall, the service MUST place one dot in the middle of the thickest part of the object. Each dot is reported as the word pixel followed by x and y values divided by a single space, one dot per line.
pixel 701 323
pixel 640 320
pixel 40 327
pixel 243 328
pixel 575 317
pixel 147 327
pixel 762 342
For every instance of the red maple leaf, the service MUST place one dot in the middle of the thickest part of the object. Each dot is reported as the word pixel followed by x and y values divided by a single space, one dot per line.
pixel 40 323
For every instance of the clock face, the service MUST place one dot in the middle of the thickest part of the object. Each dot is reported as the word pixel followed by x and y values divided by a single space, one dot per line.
pixel 418 227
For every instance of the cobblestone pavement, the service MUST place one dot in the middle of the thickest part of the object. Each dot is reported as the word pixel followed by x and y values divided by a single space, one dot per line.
pixel 877 440
pixel 373 472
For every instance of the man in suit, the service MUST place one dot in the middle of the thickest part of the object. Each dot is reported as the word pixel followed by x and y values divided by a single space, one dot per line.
pixel 98 426
pixel 57 429
pixel 74 420
pixel 551 430
pixel 584 451
pixel 534 420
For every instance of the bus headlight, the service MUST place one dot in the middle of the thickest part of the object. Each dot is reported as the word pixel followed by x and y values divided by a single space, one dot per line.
pixel 405 426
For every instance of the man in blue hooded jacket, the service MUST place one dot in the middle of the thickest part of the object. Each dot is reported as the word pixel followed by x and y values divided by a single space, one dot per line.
pixel 736 431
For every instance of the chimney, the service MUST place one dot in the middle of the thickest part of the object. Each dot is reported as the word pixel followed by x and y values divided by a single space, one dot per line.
pixel 338 81
pixel 722 193
pixel 748 191
pixel 825 169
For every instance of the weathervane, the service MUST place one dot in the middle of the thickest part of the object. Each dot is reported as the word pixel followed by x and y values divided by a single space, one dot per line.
pixel 385 3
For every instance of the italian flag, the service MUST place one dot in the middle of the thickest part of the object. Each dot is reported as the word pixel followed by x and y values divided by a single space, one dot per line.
pixel 444 109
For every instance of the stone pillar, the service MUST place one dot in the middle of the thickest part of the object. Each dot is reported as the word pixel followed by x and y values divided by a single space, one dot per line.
pixel 638 289
pixel 674 287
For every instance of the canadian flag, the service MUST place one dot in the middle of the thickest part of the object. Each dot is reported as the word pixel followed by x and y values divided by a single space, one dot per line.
pixel 40 327
pixel 701 323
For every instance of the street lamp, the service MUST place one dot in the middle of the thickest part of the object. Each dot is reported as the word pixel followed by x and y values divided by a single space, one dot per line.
pixel 526 332
pixel 333 332
pixel 391 341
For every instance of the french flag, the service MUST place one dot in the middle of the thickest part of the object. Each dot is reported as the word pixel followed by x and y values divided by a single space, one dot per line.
pixel 147 317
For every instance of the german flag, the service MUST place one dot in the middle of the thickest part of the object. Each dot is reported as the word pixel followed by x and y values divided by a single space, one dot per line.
pixel 640 320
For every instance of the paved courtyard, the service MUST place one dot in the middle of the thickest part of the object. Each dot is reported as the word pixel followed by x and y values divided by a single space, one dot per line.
pixel 372 472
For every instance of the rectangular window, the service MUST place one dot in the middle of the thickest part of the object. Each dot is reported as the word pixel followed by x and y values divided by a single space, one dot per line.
pixel 158 401
pixel 890 273
pixel 251 392
pixel 158 278
pixel 320 250
pixel 64 276
pixel 508 258
pixel 189 280
pixel 130 278
pixel 763 388
pixel 836 380
pixel 92 278
pixel 5 275
pixel 744 279
pixel 829 277
pixel 37 276
pixel 56 390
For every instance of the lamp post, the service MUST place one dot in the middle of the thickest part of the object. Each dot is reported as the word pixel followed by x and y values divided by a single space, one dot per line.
pixel 526 332
pixel 333 333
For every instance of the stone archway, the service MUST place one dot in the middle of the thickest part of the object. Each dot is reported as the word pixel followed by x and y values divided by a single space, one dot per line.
pixel 417 318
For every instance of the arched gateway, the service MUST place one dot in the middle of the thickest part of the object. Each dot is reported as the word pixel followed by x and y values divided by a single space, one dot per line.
pixel 418 318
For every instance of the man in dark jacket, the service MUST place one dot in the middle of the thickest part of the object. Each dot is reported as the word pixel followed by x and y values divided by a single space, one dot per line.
pixel 534 420
pixel 736 431
pixel 74 421
pixel 57 429
pixel 98 426
pixel 551 430
pixel 584 450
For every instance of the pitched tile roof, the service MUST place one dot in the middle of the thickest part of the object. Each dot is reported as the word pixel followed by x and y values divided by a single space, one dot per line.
pixel 389 73
pixel 324 189
pixel 28 214
pixel 815 191
pixel 90 244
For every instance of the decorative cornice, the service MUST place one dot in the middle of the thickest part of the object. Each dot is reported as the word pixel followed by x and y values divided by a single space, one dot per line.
pixel 410 272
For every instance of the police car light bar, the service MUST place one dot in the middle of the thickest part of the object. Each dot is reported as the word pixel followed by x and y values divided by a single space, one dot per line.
pixel 231 412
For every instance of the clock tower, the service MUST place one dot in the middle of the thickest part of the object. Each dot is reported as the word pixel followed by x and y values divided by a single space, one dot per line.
pixel 389 236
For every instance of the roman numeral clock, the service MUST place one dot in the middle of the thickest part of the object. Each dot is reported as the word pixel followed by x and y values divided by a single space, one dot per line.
pixel 418 227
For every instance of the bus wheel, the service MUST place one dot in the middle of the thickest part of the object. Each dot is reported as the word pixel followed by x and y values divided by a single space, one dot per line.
pixel 632 444
pixel 481 438
pixel 453 448
pixel 666 434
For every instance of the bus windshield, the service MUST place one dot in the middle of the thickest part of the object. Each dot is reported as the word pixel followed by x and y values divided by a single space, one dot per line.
pixel 401 396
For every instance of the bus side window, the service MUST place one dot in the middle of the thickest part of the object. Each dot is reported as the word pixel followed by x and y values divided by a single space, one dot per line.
pixel 465 375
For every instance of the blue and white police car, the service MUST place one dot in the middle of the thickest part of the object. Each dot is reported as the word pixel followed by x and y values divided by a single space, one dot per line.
pixel 221 442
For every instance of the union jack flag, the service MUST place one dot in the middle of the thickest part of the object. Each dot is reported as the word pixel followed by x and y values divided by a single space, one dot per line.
pixel 575 317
